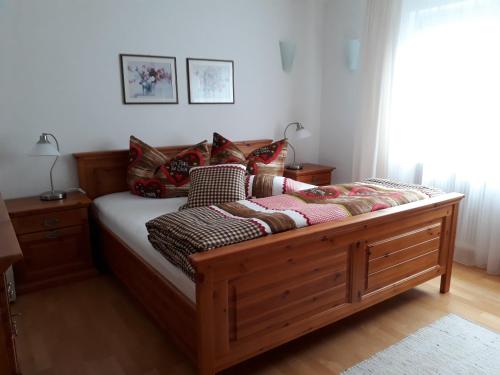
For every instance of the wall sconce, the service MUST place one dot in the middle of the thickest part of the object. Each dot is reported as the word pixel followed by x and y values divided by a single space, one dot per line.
pixel 287 50
pixel 353 46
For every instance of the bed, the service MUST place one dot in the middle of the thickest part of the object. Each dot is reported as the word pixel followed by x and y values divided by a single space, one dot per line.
pixel 252 296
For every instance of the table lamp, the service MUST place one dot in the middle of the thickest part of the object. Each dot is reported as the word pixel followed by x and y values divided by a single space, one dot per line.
pixel 44 148
pixel 302 133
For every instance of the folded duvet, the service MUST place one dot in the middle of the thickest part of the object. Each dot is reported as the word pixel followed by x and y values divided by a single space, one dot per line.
pixel 180 234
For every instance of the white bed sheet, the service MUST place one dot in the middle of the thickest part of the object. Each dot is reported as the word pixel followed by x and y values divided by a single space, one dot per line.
pixel 126 214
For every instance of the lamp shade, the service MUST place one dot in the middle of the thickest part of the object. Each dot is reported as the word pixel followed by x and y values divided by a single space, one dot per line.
pixel 303 133
pixel 44 148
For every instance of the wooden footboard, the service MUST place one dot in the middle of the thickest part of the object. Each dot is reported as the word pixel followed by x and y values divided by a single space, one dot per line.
pixel 259 294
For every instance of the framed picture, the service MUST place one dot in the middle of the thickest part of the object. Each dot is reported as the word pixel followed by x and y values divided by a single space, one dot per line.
pixel 210 81
pixel 149 79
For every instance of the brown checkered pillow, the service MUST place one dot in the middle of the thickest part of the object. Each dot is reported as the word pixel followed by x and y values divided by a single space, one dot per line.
pixel 215 184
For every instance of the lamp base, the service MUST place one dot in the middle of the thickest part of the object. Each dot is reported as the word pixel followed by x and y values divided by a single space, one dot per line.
pixel 294 167
pixel 52 195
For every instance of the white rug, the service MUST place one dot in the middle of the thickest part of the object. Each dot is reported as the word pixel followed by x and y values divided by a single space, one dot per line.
pixel 449 346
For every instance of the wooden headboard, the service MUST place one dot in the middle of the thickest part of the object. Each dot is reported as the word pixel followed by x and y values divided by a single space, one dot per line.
pixel 105 172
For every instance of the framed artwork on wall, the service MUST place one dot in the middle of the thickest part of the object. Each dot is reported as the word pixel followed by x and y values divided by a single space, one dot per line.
pixel 149 79
pixel 210 81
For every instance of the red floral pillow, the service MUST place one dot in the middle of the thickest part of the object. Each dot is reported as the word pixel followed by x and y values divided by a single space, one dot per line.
pixel 269 159
pixel 150 174
pixel 225 152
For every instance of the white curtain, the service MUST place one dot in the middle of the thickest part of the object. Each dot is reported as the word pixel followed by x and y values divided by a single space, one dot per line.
pixel 441 119
pixel 379 41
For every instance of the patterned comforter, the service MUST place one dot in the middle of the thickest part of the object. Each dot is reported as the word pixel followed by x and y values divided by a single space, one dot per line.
pixel 180 234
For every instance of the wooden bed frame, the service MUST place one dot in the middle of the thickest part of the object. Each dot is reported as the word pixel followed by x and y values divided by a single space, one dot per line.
pixel 258 294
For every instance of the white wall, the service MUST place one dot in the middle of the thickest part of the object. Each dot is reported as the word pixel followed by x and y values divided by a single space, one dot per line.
pixel 340 95
pixel 59 72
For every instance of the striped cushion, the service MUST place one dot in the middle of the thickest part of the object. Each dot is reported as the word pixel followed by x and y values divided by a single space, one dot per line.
pixel 264 185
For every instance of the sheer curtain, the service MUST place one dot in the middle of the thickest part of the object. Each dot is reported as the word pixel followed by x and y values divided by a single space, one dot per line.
pixel 441 118
pixel 379 41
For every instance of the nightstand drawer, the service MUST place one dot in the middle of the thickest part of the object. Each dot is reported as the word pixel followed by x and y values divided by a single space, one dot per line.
pixel 52 253
pixel 46 221
pixel 316 179
pixel 314 174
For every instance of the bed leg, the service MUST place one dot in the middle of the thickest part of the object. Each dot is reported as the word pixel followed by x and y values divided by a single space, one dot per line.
pixel 205 323
pixel 446 277
pixel 445 282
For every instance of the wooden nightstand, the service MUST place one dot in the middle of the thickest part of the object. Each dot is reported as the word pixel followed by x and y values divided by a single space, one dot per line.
pixel 314 174
pixel 55 241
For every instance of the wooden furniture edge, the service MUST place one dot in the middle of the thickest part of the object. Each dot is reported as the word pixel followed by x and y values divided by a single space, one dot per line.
pixel 10 251
pixel 18 206
pixel 351 224
pixel 314 169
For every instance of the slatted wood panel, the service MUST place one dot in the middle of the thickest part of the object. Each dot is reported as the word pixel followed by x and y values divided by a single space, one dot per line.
pixel 393 243
pixel 317 285
pixel 396 257
pixel 401 271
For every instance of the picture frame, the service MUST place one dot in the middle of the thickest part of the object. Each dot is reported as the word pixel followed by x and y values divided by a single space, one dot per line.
pixel 148 79
pixel 210 81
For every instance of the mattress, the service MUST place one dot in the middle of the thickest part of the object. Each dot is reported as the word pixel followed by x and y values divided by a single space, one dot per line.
pixel 126 214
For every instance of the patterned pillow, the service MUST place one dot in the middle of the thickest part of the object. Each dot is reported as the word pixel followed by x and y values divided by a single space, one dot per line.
pixel 215 184
pixel 269 159
pixel 151 174
pixel 175 173
pixel 225 152
pixel 263 185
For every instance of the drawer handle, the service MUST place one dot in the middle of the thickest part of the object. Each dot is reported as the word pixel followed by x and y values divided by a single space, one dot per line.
pixel 15 331
pixel 10 290
pixel 51 221
pixel 53 234
pixel 13 321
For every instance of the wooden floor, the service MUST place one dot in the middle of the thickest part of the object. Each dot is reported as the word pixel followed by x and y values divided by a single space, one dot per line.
pixel 93 327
